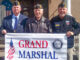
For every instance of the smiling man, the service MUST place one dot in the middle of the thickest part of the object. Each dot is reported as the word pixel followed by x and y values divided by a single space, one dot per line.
pixel 38 24
pixel 67 24
pixel 14 23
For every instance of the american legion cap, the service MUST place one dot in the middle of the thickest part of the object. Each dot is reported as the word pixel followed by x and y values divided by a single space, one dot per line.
pixel 62 4
pixel 15 3
pixel 38 6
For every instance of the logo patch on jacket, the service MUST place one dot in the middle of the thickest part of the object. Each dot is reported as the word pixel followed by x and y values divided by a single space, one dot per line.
pixel 67 22
pixel 57 24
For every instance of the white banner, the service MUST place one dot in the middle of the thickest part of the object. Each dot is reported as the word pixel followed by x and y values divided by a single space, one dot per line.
pixel 19 46
pixel 79 47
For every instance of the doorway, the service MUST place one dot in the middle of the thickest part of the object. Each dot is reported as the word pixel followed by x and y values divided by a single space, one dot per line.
pixel 27 7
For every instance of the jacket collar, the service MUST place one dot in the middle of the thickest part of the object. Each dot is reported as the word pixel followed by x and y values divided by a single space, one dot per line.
pixel 41 20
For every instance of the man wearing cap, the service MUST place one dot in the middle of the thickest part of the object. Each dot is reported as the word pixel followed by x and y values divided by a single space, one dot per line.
pixel 14 23
pixel 38 24
pixel 63 23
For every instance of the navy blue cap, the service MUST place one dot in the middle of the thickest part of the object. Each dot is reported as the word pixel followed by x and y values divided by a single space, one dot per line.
pixel 62 4
pixel 15 3
pixel 38 6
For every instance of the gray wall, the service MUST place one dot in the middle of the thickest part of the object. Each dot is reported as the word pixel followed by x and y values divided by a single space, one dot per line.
pixel 2 13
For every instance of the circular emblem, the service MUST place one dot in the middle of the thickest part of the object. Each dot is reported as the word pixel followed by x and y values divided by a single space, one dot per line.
pixel 57 44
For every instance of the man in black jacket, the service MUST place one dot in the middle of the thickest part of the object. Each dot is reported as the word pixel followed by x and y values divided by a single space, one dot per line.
pixel 64 23
pixel 38 24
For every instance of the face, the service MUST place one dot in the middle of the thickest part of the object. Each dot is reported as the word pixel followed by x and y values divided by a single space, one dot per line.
pixel 16 9
pixel 38 13
pixel 62 11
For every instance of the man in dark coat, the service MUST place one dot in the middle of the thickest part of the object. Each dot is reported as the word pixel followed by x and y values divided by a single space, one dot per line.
pixel 64 23
pixel 14 23
pixel 38 24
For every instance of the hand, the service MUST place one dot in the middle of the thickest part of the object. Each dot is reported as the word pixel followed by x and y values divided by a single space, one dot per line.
pixel 4 31
pixel 69 33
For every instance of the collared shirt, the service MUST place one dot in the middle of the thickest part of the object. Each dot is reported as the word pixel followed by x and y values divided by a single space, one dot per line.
pixel 13 20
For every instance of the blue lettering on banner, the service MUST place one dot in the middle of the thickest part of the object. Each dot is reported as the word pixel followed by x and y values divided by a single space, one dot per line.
pixel 44 54
pixel 37 55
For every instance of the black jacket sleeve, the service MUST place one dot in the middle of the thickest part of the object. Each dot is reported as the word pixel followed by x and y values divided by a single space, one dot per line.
pixel 76 27
pixel 49 27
